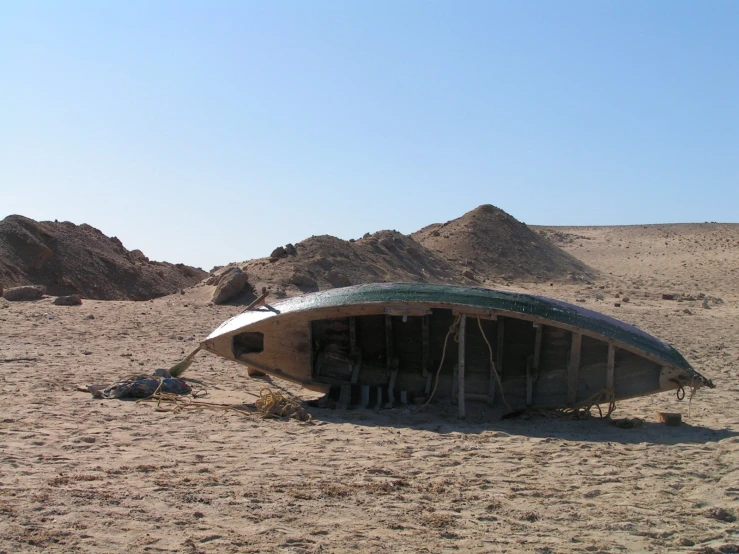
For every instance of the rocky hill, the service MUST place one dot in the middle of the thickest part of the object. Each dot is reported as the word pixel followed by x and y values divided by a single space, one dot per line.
pixel 79 259
pixel 487 243
pixel 485 247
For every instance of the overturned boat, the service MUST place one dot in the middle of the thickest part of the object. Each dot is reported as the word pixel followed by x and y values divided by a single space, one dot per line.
pixel 384 344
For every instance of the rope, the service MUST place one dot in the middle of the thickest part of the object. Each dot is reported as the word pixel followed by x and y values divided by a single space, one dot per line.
pixel 492 366
pixel 269 404
pixel 453 328
pixel 275 404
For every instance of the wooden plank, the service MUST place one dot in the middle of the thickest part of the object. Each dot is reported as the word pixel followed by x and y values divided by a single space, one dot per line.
pixel 573 370
pixel 426 348
pixel 460 371
pixel 610 371
pixel 529 380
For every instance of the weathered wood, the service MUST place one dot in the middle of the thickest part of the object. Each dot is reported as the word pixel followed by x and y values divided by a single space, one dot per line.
pixel 529 380
pixel 425 345
pixel 365 396
pixel 460 363
pixel 573 369
pixel 610 368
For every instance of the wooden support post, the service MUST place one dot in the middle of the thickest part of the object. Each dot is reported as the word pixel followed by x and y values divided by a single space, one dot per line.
pixel 365 396
pixel 389 342
pixel 425 345
pixel 529 380
pixel 573 370
pixel 610 367
pixel 404 397
pixel 460 371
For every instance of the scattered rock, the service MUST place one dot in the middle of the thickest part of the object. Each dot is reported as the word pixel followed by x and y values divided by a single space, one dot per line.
pixel 617 304
pixel 705 303
pixel 291 250
pixel 686 542
pixel 579 300
pixel 468 274
pixel 33 292
pixel 337 279
pixel 230 284
pixel 668 297
pixel 70 300
pixel 302 280
pixel 687 311
pixel 626 299
pixel 278 253
pixel 90 316
pixel 721 514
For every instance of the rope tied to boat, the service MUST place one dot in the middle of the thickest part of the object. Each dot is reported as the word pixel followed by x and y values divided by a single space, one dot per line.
pixel 492 366
pixel 269 405
pixel 453 328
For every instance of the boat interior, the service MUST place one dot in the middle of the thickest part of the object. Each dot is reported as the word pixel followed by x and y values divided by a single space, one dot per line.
pixel 394 358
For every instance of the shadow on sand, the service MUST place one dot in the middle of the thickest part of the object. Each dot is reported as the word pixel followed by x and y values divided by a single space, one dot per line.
pixel 582 430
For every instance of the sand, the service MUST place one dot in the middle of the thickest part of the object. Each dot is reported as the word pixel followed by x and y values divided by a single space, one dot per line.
pixel 78 474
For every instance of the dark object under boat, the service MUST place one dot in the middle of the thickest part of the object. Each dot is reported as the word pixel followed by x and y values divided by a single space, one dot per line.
pixel 384 344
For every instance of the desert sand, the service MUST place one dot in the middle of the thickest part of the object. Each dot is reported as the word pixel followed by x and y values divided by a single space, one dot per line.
pixel 78 474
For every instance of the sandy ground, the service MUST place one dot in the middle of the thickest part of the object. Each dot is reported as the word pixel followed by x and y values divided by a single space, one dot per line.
pixel 78 474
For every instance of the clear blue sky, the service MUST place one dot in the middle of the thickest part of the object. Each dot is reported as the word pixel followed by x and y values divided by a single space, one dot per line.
pixel 211 132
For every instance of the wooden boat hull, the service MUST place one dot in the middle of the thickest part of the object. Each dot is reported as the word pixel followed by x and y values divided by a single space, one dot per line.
pixel 383 344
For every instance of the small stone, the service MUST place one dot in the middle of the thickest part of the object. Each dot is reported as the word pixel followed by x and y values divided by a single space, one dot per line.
pixel 70 300
pixel 291 250
pixel 685 542
pixel 626 299
pixel 668 297
pixel 617 304
pixel 705 303
pixel 90 316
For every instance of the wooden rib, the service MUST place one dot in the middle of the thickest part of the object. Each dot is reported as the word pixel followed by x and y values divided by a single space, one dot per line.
pixel 573 370
pixel 426 341
pixel 460 371
pixel 611 366
pixel 529 380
